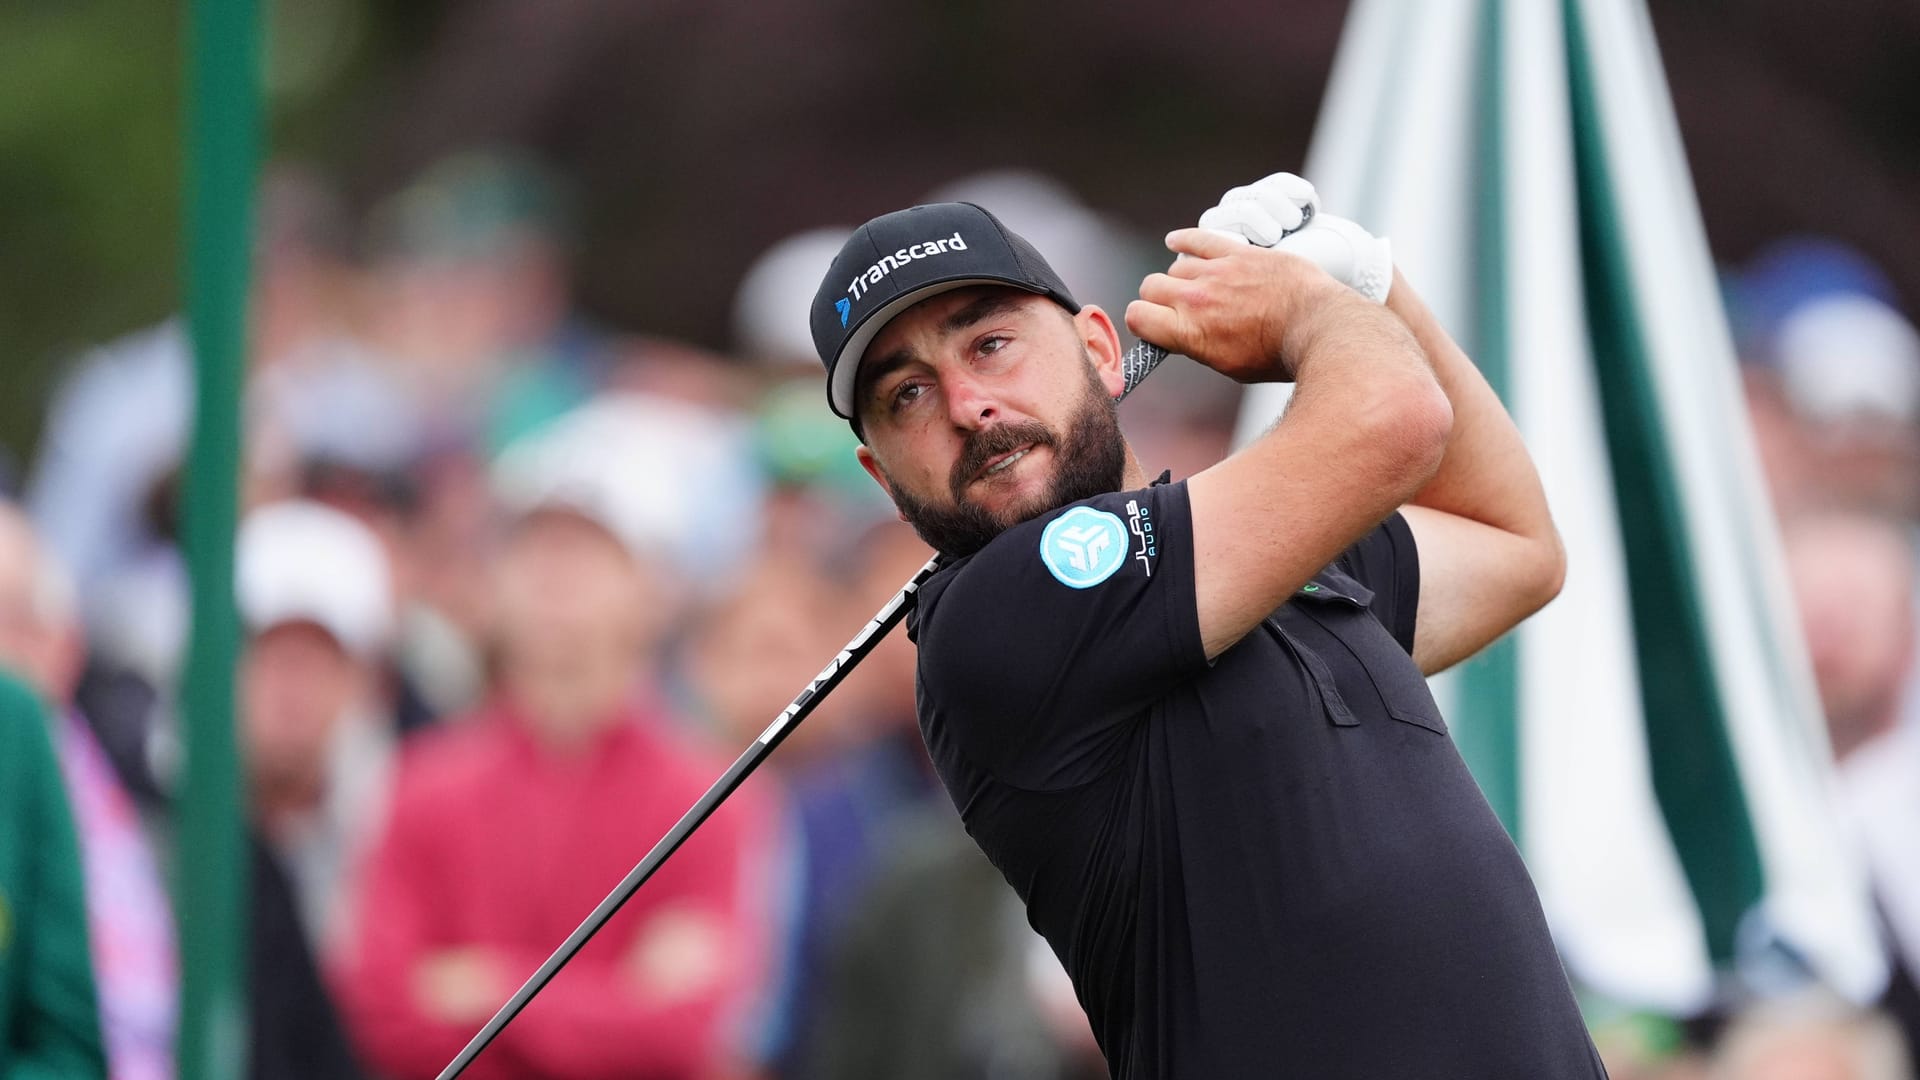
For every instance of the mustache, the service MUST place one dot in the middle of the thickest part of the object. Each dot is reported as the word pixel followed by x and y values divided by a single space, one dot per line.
pixel 988 443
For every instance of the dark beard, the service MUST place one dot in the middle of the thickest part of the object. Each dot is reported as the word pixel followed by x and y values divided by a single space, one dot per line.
pixel 1091 460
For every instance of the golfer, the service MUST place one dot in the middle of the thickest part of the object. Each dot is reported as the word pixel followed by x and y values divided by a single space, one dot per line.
pixel 1188 720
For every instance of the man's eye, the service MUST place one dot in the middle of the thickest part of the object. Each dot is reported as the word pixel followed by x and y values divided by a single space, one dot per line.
pixel 991 344
pixel 906 394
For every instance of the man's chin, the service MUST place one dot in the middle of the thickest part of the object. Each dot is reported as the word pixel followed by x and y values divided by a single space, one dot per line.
pixel 964 528
pixel 1011 503
pixel 961 529
pixel 1024 508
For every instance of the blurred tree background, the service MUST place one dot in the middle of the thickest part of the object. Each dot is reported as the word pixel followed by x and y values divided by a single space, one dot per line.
pixel 89 182
pixel 695 134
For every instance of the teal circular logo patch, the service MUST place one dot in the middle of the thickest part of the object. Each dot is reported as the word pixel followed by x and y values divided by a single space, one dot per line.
pixel 1083 547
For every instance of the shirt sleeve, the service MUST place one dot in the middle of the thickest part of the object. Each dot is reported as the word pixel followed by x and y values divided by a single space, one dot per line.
pixel 1387 562
pixel 1049 641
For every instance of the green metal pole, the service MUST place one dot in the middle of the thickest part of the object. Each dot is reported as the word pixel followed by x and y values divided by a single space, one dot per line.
pixel 224 133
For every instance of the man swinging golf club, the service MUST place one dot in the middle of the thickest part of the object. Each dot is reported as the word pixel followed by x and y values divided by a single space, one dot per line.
pixel 1187 720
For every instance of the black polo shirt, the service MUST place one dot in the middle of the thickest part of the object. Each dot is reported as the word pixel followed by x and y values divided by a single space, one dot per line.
pixel 1276 865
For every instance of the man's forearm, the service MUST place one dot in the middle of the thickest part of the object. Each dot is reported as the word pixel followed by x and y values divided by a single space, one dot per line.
pixel 1366 427
pixel 1486 474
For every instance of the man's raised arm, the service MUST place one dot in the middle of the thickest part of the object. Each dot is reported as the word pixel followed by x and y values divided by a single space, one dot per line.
pixel 1489 553
pixel 1365 431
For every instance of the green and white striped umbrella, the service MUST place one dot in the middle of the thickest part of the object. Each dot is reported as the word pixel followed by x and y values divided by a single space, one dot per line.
pixel 1652 739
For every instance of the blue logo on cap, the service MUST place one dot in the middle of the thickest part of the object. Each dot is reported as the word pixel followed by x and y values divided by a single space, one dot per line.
pixel 1083 547
pixel 843 305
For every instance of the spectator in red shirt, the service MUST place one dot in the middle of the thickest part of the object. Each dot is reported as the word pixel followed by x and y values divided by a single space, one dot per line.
pixel 508 826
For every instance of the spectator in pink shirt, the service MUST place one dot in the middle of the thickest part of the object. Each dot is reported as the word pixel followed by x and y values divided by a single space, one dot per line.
pixel 507 826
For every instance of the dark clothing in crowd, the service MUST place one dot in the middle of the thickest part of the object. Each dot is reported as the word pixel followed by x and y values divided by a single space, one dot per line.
pixel 933 976
pixel 293 1029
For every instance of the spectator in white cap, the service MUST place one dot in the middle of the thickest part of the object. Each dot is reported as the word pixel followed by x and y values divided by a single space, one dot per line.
pixel 1850 366
pixel 672 481
pixel 315 594
pixel 1833 379
pixel 770 306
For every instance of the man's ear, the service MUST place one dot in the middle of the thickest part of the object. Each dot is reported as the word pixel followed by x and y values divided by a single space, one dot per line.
pixel 872 465
pixel 1097 333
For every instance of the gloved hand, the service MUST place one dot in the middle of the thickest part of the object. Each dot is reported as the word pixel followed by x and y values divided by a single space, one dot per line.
pixel 1264 214
pixel 1264 211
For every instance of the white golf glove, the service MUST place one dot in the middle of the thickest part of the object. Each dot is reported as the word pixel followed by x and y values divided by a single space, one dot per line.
pixel 1265 212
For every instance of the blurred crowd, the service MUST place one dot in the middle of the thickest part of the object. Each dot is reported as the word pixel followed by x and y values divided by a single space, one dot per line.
pixel 1830 367
pixel 516 587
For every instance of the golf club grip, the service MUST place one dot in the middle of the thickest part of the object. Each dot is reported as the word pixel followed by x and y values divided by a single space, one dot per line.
pixel 1139 363
pixel 1140 360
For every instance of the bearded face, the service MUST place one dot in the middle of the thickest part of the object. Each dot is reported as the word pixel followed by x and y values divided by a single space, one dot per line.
pixel 986 406
pixel 1089 458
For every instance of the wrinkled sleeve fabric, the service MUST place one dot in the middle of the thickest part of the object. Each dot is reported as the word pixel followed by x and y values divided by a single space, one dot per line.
pixel 1387 562
pixel 1050 641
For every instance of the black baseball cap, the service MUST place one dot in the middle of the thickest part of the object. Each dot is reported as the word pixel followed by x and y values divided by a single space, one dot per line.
pixel 897 260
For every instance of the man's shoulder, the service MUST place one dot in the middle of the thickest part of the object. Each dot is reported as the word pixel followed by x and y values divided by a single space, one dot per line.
pixel 1075 546
pixel 1040 563
pixel 1000 575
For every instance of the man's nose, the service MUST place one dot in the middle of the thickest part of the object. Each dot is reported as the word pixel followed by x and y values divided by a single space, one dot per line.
pixel 971 405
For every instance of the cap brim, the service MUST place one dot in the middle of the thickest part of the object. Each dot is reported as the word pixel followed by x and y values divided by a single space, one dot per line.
pixel 845 375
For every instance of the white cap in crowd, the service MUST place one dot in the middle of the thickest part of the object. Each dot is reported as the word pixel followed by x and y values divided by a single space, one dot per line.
pixel 1847 356
pixel 1098 258
pixel 673 482
pixel 775 298
pixel 301 561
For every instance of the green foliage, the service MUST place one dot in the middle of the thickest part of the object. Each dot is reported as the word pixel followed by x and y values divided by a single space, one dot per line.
pixel 89 186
